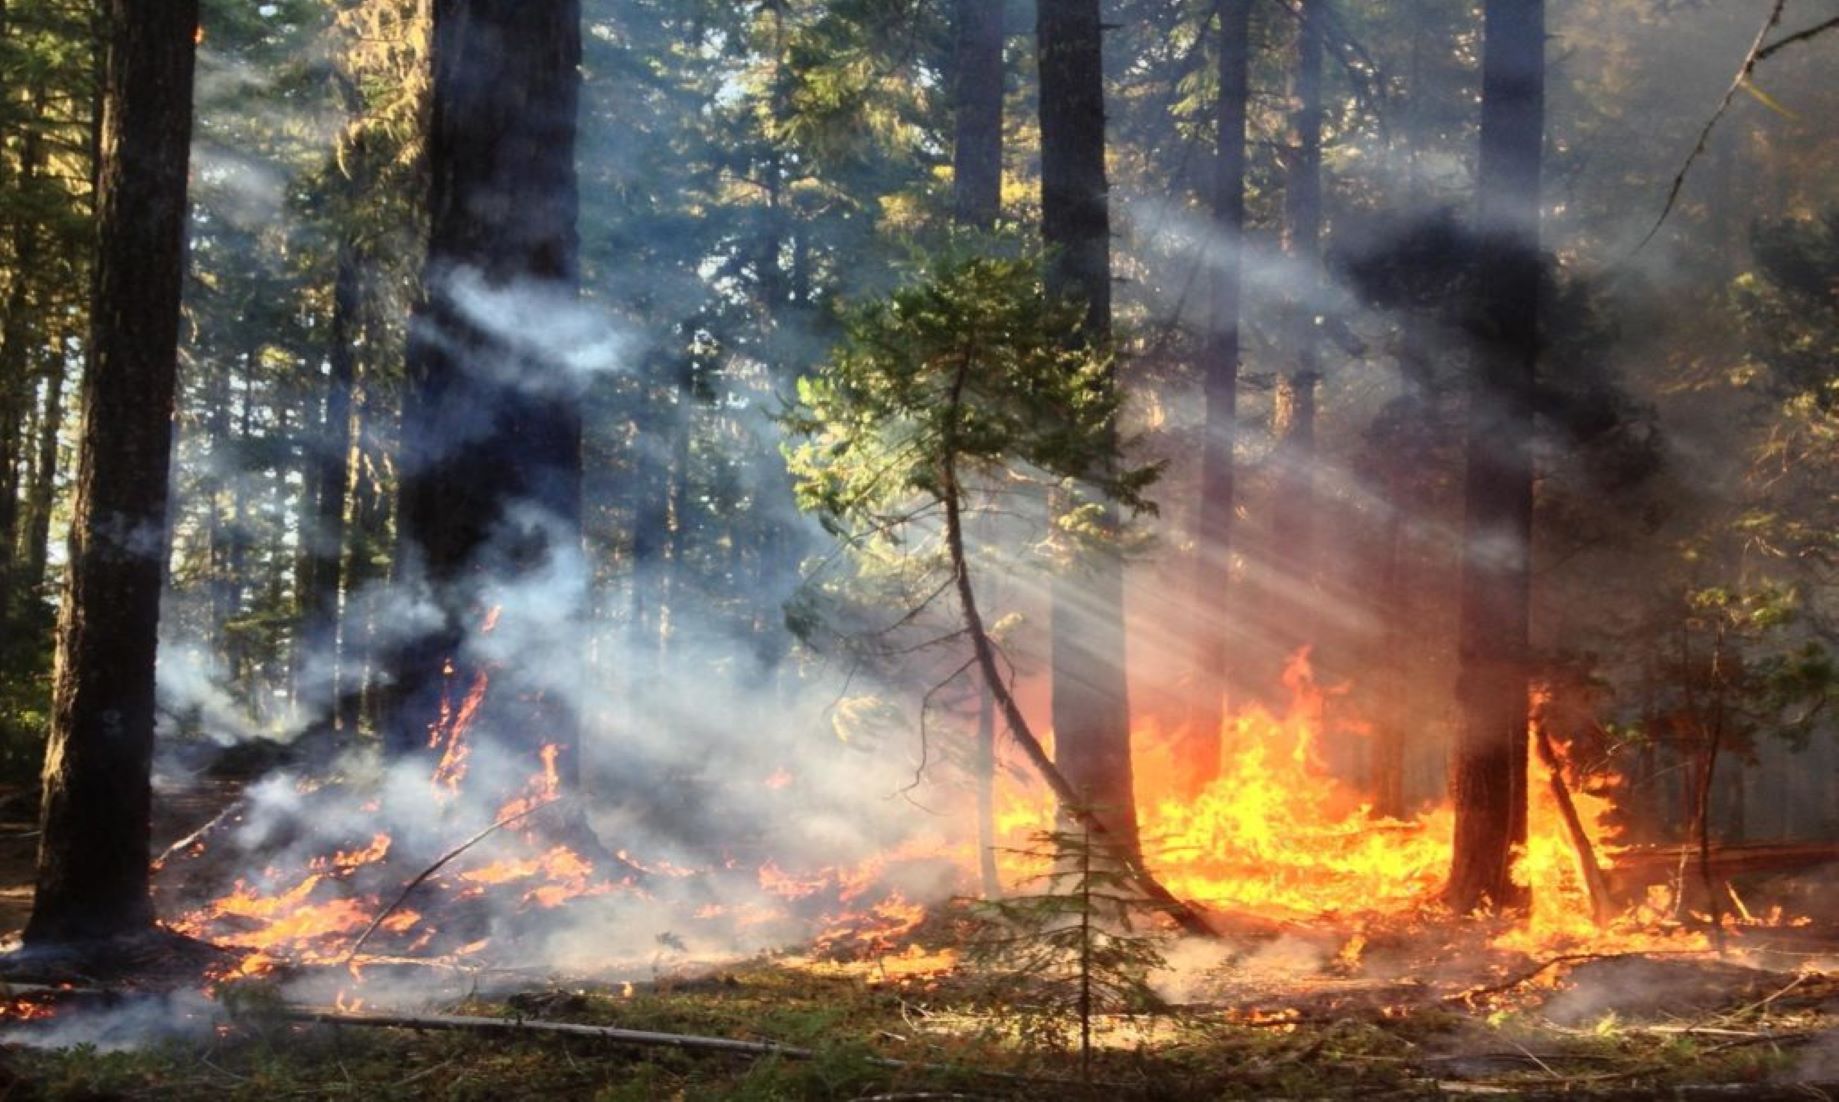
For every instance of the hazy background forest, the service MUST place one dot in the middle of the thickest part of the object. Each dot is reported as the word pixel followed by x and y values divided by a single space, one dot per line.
pixel 751 174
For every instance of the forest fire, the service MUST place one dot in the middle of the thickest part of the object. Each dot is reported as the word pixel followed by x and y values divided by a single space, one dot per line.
pixel 1275 837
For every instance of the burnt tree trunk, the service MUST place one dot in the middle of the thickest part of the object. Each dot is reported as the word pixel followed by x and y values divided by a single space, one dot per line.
pixel 1220 383
pixel 1489 781
pixel 491 436
pixel 93 851
pixel 1091 707
pixel 977 91
pixel 1293 408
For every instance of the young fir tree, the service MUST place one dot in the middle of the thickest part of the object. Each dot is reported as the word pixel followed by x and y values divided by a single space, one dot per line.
pixel 1082 946
pixel 936 391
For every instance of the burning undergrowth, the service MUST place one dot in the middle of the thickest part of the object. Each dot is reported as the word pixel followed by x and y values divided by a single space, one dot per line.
pixel 381 883
pixel 526 885
pixel 305 875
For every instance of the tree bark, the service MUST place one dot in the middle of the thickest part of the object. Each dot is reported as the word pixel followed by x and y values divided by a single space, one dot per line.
pixel 1091 708
pixel 491 448
pixel 93 852
pixel 1489 781
pixel 1220 383
pixel 977 90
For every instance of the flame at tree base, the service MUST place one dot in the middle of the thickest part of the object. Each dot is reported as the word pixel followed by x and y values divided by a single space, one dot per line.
pixel 1277 836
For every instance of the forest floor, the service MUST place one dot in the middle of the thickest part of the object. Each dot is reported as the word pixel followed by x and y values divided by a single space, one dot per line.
pixel 1644 1028
pixel 1418 1012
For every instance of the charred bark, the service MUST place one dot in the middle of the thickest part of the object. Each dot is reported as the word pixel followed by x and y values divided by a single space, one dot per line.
pixel 1220 384
pixel 491 447
pixel 1489 780
pixel 93 853
pixel 1091 708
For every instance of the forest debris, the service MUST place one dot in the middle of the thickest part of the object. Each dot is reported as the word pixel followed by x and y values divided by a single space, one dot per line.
pixel 436 867
pixel 1540 969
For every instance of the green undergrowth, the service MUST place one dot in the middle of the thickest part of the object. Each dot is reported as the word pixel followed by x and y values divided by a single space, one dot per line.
pixel 953 1048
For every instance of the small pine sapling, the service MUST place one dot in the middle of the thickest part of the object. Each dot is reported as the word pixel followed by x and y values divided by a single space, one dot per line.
pixel 1082 946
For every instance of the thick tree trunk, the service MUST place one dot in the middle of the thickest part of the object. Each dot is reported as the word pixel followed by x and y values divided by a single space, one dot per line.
pixel 1293 411
pixel 977 92
pixel 1489 781
pixel 1219 368
pixel 93 851
pixel 1091 707
pixel 491 448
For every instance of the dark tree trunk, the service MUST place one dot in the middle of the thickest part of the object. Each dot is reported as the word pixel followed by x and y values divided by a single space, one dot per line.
pixel 1497 530
pixel 1091 706
pixel 93 851
pixel 1406 452
pixel 359 697
pixel 651 487
pixel 212 486
pixel 491 448
pixel 330 459
pixel 977 89
pixel 1293 410
pixel 1220 382
pixel 43 490
pixel 16 337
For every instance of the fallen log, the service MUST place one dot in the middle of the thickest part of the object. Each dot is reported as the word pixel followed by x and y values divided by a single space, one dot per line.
pixel 1634 868
pixel 477 1024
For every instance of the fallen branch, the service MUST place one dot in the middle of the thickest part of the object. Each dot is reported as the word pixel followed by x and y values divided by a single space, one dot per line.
pixel 1594 883
pixel 1567 958
pixel 196 837
pixel 470 1023
pixel 436 867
